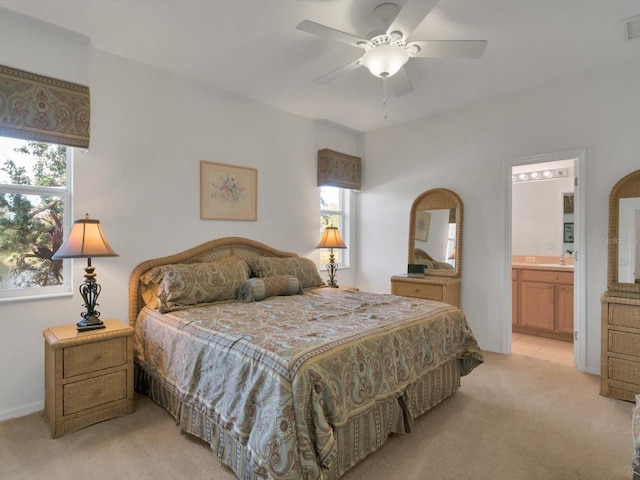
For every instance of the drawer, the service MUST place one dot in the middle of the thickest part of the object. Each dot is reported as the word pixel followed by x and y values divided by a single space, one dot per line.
pixel 623 370
pixel 93 392
pixel 624 315
pixel 418 290
pixel 621 392
pixel 624 343
pixel 546 276
pixel 91 357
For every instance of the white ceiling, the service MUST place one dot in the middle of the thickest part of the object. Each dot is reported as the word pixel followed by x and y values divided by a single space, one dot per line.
pixel 252 48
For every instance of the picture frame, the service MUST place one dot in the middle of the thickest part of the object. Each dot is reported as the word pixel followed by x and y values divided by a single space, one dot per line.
pixel 568 203
pixel 423 221
pixel 568 232
pixel 228 192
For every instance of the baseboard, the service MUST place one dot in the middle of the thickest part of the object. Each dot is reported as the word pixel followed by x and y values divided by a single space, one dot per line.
pixel 22 411
pixel 593 370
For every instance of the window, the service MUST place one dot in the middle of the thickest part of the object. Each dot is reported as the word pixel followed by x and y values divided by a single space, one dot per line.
pixel 35 201
pixel 334 212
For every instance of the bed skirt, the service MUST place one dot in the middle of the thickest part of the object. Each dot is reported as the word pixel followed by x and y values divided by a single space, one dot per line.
pixel 361 435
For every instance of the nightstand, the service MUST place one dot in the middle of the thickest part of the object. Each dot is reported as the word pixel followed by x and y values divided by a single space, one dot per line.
pixel 88 375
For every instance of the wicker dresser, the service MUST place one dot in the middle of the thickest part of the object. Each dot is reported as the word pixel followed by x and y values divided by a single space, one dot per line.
pixel 620 364
pixel 443 289
pixel 88 375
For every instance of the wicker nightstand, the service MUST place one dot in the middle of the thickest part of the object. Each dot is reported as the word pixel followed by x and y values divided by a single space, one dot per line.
pixel 88 375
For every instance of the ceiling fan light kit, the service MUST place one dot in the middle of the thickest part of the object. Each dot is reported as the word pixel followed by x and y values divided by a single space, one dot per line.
pixel 386 54
pixel 385 59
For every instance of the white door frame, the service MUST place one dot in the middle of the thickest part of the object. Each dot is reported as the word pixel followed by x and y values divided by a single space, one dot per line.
pixel 579 276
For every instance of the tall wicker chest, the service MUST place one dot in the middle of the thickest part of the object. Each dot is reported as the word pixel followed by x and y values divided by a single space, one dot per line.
pixel 620 362
pixel 88 375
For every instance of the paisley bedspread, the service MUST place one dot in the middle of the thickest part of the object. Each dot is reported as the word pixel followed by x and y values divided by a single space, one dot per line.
pixel 279 375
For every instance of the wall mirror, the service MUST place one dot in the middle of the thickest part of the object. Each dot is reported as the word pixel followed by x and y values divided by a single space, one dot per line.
pixel 435 232
pixel 623 267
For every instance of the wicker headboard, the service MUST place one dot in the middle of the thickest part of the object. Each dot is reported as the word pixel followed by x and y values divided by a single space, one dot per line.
pixel 243 248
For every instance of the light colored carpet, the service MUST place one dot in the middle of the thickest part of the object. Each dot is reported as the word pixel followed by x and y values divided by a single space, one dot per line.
pixel 514 418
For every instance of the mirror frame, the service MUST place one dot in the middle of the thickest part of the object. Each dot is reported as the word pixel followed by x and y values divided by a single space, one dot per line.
pixel 627 187
pixel 436 199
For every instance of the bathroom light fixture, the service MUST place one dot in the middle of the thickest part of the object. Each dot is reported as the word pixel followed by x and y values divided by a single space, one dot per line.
pixel 538 175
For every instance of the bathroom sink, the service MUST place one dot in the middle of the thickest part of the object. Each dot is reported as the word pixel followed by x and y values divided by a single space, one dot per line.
pixel 552 265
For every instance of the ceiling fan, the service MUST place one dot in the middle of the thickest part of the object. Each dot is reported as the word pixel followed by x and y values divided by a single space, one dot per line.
pixel 386 49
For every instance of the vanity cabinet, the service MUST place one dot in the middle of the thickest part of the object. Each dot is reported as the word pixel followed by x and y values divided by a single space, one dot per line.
pixel 620 369
pixel 544 302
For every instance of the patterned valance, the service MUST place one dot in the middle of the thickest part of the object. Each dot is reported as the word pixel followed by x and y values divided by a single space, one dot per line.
pixel 339 170
pixel 43 109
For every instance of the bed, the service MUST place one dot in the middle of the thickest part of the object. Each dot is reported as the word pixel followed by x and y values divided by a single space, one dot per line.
pixel 284 377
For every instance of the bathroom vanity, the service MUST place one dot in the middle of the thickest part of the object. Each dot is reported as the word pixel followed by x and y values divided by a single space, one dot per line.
pixel 542 300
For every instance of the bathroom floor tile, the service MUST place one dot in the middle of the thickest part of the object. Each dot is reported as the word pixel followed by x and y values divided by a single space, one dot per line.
pixel 543 348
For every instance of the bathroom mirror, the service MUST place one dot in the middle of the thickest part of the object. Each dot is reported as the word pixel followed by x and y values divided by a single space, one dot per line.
pixel 435 232
pixel 623 239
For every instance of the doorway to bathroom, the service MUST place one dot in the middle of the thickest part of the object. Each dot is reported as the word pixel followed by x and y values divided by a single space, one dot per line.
pixel 544 264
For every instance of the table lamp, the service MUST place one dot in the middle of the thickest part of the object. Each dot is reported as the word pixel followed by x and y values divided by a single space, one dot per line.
pixel 331 239
pixel 86 240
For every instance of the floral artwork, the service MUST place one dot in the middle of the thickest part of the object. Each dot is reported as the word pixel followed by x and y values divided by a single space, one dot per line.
pixel 228 189
pixel 227 192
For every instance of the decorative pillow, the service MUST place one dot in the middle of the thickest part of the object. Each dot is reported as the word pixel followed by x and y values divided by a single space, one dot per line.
pixel 186 284
pixel 260 288
pixel 149 291
pixel 300 267
pixel 442 266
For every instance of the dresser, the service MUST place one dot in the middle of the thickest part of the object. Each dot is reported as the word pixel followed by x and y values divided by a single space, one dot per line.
pixel 88 375
pixel 442 289
pixel 620 362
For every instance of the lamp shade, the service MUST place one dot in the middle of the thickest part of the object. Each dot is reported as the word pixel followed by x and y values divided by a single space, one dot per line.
pixel 331 239
pixel 385 60
pixel 85 240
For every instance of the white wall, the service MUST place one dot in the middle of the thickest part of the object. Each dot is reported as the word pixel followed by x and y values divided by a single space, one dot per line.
pixel 467 151
pixel 140 177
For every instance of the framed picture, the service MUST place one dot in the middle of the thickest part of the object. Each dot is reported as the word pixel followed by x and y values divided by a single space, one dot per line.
pixel 568 203
pixel 228 192
pixel 423 220
pixel 568 232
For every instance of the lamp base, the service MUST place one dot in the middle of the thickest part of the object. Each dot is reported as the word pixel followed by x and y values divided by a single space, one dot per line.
pixel 89 324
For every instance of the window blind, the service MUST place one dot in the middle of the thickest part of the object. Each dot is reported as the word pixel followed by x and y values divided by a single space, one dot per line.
pixel 339 170
pixel 43 109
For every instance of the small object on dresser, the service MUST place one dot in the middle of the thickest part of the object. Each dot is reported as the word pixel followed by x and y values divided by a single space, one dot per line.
pixel 415 270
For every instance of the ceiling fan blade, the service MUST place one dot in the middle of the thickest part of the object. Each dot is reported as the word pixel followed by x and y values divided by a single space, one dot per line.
pixel 331 33
pixel 411 15
pixel 349 67
pixel 400 83
pixel 449 48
